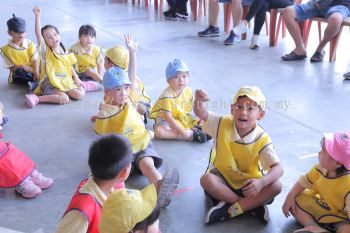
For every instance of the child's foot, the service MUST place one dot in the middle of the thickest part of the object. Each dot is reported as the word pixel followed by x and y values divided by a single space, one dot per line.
pixel 169 15
pixel 31 100
pixel 89 85
pixel 182 13
pixel 167 187
pixel 261 212
pixel 40 180
pixel 347 76
pixel 28 189
pixel 217 213
pixel 312 229
pixel 255 42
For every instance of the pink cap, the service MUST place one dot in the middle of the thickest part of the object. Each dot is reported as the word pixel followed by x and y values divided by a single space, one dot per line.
pixel 338 146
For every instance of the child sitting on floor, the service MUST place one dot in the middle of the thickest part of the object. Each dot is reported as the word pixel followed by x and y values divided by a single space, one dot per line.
pixel 172 111
pixel 320 199
pixel 18 171
pixel 89 56
pixel 20 55
pixel 236 179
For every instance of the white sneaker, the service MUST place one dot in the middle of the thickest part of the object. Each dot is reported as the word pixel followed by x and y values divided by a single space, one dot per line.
pixel 255 43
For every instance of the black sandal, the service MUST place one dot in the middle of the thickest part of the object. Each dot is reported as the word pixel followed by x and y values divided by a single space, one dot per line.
pixel 292 56
pixel 317 57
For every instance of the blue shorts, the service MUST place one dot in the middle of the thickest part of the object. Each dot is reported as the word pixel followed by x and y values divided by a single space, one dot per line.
pixel 309 10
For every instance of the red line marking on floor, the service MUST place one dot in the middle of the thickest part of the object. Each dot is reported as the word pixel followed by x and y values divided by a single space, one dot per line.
pixel 183 190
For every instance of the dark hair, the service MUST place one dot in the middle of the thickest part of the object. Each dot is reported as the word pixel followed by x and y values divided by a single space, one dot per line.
pixel 87 30
pixel 341 170
pixel 48 26
pixel 144 224
pixel 109 155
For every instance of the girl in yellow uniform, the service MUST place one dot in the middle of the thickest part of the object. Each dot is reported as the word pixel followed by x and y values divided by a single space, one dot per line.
pixel 58 80
pixel 89 56
pixel 172 111
pixel 320 200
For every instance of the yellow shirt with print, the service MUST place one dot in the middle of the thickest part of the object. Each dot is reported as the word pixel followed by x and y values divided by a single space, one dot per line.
pixel 87 59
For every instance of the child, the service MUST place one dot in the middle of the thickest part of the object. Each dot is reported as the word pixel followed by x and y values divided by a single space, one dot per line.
pixel 120 57
pixel 20 55
pixel 172 110
pixel 89 56
pixel 118 115
pixel 56 83
pixel 109 162
pixel 17 170
pixel 129 210
pixel 239 157
pixel 320 199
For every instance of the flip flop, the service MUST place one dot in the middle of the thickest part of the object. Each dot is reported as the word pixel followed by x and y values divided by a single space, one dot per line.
pixel 318 56
pixel 293 57
pixel 311 229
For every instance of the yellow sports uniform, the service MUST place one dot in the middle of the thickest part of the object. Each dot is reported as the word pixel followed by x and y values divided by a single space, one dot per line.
pixel 87 59
pixel 125 121
pixel 180 107
pixel 57 69
pixel 325 199
pixel 142 96
pixel 14 55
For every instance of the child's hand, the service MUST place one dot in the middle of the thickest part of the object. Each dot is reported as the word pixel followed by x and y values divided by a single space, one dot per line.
pixel 37 11
pixel 77 82
pixel 288 206
pixel 201 95
pixel 132 45
pixel 252 187
pixel 28 69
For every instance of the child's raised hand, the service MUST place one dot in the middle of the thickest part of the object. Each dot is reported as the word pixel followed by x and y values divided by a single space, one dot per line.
pixel 37 10
pixel 132 45
pixel 201 95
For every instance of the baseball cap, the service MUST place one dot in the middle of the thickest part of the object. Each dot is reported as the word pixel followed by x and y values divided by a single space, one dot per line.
pixel 119 55
pixel 175 66
pixel 16 24
pixel 115 77
pixel 337 145
pixel 253 93
pixel 125 208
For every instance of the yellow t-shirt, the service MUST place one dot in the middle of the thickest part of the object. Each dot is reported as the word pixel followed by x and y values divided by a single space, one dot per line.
pixel 87 59
pixel 180 107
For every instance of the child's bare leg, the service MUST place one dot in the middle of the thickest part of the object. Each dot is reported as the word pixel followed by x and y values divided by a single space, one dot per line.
pixel 266 194
pixel 343 228
pixel 216 188
pixel 164 132
pixel 77 93
pixel 93 74
pixel 58 98
pixel 303 218
pixel 146 166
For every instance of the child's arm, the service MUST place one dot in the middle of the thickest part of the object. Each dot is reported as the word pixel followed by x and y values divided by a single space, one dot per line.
pixel 199 107
pixel 254 186
pixel 37 12
pixel 289 203
pixel 100 69
pixel 75 77
pixel 132 46
pixel 174 125
pixel 35 65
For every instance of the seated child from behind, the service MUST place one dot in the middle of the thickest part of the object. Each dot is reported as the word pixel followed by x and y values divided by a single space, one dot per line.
pixel 89 56
pixel 320 200
pixel 118 115
pixel 18 170
pixel 110 163
pixel 172 110
pixel 235 180
pixel 20 55
pixel 129 210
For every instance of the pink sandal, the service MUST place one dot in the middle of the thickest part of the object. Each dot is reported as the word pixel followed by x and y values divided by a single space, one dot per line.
pixel 311 229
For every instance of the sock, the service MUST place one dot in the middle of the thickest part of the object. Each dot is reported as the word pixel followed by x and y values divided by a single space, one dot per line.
pixel 235 210
pixel 237 30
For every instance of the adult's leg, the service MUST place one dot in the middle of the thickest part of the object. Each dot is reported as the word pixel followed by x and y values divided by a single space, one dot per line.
pixel 260 18
pixel 213 12
pixel 254 8
pixel 237 12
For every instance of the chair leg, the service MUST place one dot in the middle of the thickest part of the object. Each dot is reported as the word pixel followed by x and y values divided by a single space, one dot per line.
pixel 333 46
pixel 319 32
pixel 193 4
pixel 305 30
pixel 273 17
pixel 280 21
pixel 267 25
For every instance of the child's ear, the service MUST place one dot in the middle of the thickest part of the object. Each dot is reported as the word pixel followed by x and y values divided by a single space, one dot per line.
pixel 124 173
pixel 261 115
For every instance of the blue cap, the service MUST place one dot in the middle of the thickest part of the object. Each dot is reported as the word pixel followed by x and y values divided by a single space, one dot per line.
pixel 175 66
pixel 16 24
pixel 115 77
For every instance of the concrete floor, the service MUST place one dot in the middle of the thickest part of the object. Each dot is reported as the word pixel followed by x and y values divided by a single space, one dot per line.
pixel 304 100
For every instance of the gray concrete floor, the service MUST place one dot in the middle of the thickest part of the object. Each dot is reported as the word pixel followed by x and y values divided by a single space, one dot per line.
pixel 304 100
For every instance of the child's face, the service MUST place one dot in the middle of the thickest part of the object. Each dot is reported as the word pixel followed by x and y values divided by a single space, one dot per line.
pixel 246 113
pixel 179 82
pixel 87 40
pixel 117 96
pixel 52 38
pixel 17 37
pixel 326 160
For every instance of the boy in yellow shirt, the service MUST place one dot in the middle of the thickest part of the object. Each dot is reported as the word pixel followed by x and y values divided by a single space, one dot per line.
pixel 244 170
pixel 20 55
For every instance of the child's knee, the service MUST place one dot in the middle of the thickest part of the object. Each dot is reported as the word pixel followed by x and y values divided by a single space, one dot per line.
pixel 206 181
pixel 276 187
pixel 159 131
